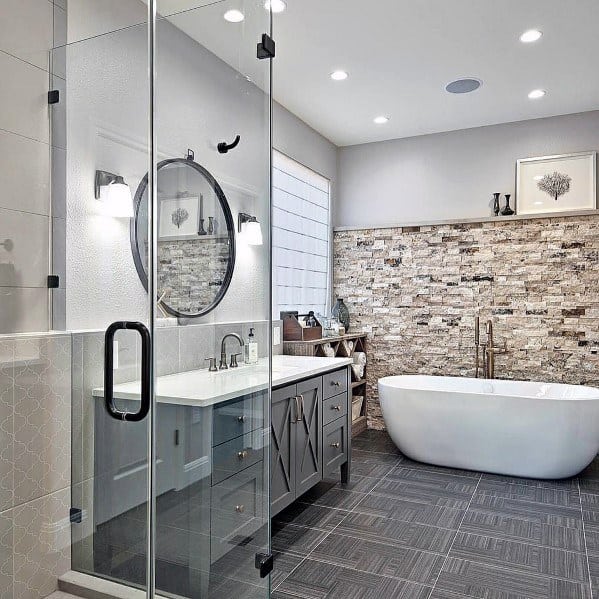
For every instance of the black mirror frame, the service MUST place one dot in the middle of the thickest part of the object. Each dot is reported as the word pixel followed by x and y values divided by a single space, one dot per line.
pixel 141 271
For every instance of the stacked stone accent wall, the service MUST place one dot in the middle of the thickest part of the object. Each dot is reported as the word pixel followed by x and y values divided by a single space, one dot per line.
pixel 416 290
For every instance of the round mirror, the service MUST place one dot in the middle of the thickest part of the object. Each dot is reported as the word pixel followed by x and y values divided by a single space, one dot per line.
pixel 196 238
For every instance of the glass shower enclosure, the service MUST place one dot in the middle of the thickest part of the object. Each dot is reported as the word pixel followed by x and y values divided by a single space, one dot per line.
pixel 165 112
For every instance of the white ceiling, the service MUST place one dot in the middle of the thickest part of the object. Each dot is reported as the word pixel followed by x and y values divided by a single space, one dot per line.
pixel 400 54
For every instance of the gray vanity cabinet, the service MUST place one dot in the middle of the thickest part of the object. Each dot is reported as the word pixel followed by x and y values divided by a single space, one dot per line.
pixel 296 441
pixel 309 435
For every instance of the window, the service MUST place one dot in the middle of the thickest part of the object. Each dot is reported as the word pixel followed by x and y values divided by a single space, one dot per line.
pixel 301 234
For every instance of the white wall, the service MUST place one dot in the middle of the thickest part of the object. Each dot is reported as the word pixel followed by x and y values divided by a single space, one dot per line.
pixel 448 175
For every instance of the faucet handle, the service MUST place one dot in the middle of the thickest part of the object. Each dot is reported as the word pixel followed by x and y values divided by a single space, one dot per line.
pixel 212 366
pixel 234 360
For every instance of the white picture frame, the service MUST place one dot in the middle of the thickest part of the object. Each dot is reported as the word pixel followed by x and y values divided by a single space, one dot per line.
pixel 560 183
pixel 186 227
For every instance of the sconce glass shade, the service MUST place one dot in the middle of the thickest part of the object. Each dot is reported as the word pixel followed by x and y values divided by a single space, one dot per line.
pixel 252 232
pixel 115 194
pixel 117 199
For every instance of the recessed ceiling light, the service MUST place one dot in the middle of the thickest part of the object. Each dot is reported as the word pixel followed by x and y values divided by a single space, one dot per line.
pixel 532 35
pixel 339 75
pixel 463 86
pixel 234 16
pixel 381 120
pixel 535 94
pixel 275 5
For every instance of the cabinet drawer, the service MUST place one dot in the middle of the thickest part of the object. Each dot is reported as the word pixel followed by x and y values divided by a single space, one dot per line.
pixel 334 408
pixel 238 511
pixel 238 417
pixel 334 383
pixel 335 437
pixel 233 456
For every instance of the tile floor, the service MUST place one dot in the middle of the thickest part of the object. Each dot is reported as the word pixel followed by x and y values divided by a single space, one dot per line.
pixel 406 530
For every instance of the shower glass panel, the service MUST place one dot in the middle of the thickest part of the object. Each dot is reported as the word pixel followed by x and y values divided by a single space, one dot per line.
pixel 196 522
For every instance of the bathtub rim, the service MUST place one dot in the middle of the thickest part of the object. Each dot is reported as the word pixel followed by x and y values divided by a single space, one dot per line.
pixel 383 381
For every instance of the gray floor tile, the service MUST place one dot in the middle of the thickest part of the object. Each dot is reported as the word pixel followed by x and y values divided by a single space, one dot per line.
pixel 298 540
pixel 410 511
pixel 317 580
pixel 329 495
pixel 312 516
pixel 284 564
pixel 564 484
pixel 594 569
pixel 408 463
pixel 360 484
pixel 590 508
pixel 526 531
pixel 589 485
pixel 397 533
pixel 499 488
pixel 375 441
pixel 483 581
pixel 591 471
pixel 428 495
pixel 543 513
pixel 365 463
pixel 441 594
pixel 591 534
pixel 378 558
pixel 438 480
pixel 521 557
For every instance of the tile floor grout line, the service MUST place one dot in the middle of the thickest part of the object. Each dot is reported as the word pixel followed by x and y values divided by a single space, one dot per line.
pixel 455 537
pixel 584 538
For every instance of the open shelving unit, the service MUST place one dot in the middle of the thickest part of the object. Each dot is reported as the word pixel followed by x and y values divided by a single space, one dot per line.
pixel 342 349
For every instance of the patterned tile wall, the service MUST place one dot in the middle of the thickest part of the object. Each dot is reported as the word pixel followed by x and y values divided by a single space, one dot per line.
pixel 416 290
pixel 35 474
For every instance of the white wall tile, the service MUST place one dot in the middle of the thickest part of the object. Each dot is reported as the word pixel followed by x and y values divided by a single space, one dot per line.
pixel 26 30
pixel 25 174
pixel 6 555
pixel 23 309
pixel 42 536
pixel 7 350
pixel 26 263
pixel 23 99
pixel 42 416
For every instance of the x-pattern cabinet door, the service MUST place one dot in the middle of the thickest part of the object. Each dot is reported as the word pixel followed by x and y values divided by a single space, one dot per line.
pixel 282 447
pixel 308 450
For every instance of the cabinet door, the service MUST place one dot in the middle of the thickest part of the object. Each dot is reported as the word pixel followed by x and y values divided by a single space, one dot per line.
pixel 308 451
pixel 282 448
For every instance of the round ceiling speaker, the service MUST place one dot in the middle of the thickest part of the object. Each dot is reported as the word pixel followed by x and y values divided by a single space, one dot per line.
pixel 463 86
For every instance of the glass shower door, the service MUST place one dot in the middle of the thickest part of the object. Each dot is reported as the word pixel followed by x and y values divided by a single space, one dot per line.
pixel 170 448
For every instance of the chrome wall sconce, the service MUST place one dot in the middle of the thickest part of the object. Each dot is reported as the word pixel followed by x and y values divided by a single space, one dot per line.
pixel 114 193
pixel 249 226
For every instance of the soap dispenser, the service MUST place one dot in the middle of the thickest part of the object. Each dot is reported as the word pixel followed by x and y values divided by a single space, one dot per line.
pixel 251 349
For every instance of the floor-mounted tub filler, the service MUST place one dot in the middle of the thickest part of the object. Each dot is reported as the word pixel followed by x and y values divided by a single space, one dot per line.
pixel 526 429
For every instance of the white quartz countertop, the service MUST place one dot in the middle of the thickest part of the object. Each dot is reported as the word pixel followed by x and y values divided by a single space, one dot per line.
pixel 204 388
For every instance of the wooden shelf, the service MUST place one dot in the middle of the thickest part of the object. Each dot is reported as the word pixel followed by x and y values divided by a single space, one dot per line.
pixel 340 347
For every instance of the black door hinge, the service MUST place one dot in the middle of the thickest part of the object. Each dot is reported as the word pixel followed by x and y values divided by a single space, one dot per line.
pixel 266 48
pixel 264 563
pixel 75 515
pixel 53 281
pixel 53 96
pixel 177 437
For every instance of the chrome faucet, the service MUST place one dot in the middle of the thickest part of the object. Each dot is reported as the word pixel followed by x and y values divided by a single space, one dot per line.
pixel 223 352
pixel 488 349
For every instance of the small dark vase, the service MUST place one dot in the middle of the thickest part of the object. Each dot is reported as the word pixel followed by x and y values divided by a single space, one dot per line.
pixel 496 203
pixel 507 211
pixel 341 313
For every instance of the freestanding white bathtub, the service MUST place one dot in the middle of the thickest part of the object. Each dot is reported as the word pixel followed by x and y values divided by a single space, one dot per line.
pixel 534 430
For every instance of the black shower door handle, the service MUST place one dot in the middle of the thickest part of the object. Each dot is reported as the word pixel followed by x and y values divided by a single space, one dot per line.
pixel 146 353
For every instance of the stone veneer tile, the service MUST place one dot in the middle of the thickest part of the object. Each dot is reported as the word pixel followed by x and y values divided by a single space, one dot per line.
pixel 416 291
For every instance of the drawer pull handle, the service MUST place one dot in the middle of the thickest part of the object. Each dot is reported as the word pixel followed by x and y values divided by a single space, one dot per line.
pixel 240 509
pixel 242 455
pixel 338 408
pixel 241 419
pixel 336 383
pixel 336 445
